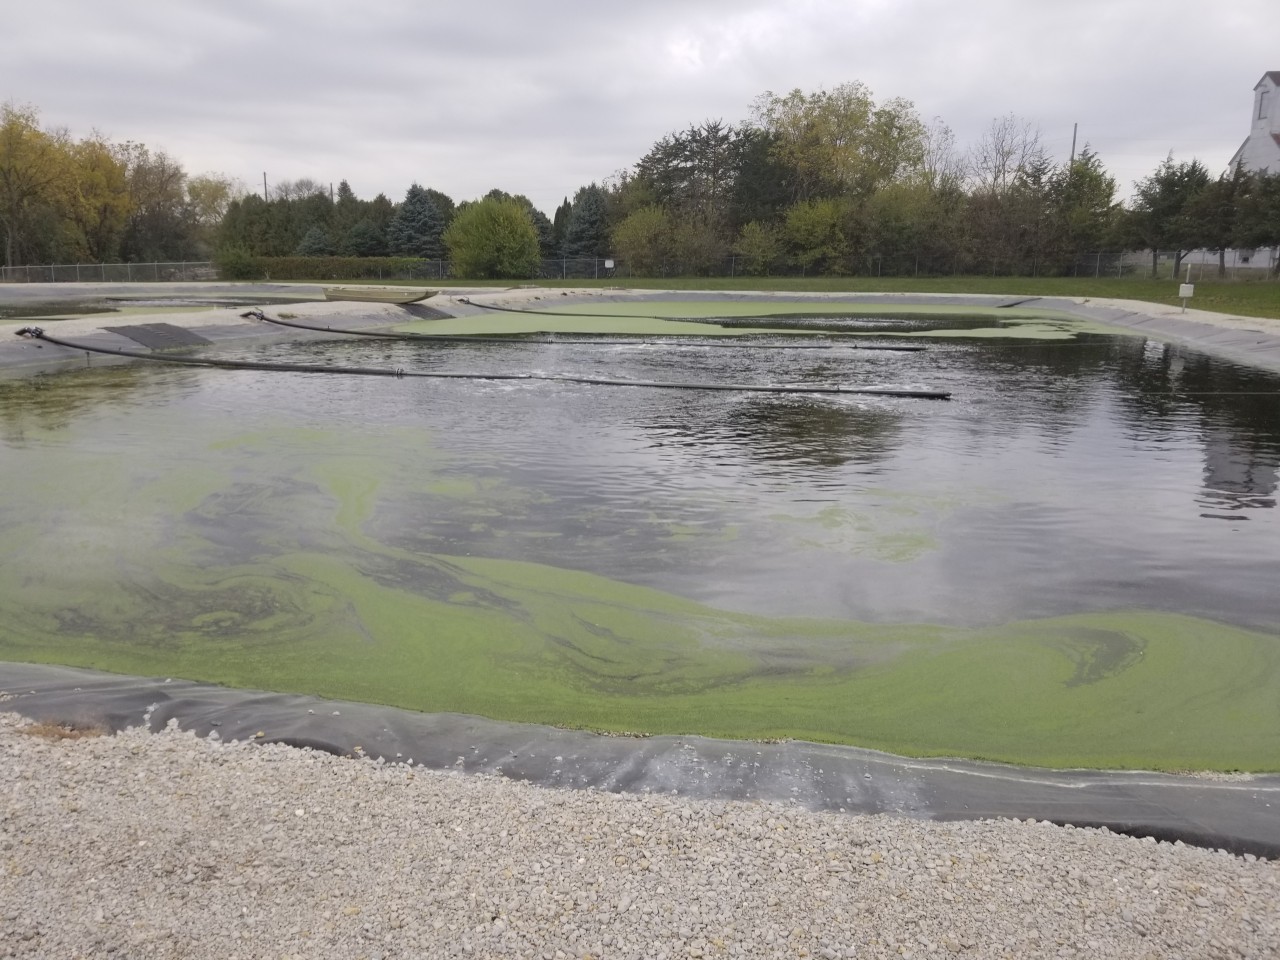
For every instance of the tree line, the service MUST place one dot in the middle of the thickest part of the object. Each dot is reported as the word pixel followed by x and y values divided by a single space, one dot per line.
pixel 830 181
pixel 833 181
pixel 64 200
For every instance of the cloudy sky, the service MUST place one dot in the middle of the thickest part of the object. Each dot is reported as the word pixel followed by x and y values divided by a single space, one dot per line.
pixel 542 97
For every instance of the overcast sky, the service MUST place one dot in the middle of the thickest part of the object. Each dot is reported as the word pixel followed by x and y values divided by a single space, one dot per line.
pixel 540 98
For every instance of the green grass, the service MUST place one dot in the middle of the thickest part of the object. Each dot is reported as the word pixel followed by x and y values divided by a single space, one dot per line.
pixel 1249 298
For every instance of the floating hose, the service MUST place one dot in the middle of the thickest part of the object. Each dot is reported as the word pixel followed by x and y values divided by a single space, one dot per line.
pixel 593 342
pixel 903 348
pixel 38 333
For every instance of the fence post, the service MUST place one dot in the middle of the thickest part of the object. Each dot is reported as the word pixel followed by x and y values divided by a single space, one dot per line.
pixel 1097 270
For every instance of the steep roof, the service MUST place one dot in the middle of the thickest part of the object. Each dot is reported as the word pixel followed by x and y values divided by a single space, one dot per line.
pixel 1272 75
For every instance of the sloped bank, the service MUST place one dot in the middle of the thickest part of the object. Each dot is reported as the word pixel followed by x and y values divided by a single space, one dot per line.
pixel 1236 813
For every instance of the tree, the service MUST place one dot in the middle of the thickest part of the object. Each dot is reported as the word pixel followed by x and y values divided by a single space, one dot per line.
pixel 761 184
pixel 1258 217
pixel 315 243
pixel 559 223
pixel 208 197
pixel 444 205
pixel 492 239
pixel 101 203
pixel 586 234
pixel 759 247
pixel 364 239
pixel 1215 211
pixel 643 240
pixel 35 171
pixel 814 235
pixel 542 225
pixel 417 228
pixel 1160 218
pixel 158 227
pixel 1009 147
pixel 698 245
pixel 1082 205
pixel 692 173
pixel 838 142
pixel 347 210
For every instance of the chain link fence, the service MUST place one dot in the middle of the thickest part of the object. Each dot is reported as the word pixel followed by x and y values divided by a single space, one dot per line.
pixel 110 272
pixel 1258 265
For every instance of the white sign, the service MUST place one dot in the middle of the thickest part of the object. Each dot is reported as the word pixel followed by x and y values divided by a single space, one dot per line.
pixel 1186 290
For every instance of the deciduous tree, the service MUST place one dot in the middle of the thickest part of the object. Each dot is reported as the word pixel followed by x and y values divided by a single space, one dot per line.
pixel 643 240
pixel 492 239
pixel 35 171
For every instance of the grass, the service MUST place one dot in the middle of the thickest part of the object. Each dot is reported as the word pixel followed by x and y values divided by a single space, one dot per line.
pixel 1249 298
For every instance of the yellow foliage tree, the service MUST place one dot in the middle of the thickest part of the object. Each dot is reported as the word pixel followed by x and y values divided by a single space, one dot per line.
pixel 35 174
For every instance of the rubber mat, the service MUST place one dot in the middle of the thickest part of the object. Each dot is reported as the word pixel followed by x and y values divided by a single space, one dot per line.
pixel 160 336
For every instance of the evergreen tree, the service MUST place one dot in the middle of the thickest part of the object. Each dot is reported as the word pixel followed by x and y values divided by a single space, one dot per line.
pixel 559 223
pixel 364 240
pixel 586 234
pixel 417 227
pixel 444 205
pixel 1161 215
pixel 316 243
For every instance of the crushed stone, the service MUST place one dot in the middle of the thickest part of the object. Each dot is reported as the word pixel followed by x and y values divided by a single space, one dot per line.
pixel 167 845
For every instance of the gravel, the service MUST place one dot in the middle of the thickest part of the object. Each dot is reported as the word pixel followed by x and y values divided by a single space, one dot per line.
pixel 145 845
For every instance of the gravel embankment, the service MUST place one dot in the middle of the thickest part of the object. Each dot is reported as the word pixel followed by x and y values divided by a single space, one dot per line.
pixel 165 845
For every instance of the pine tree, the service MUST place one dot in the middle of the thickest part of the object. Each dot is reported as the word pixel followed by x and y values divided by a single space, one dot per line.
pixel 558 224
pixel 416 228
pixel 586 235
pixel 364 240
pixel 316 243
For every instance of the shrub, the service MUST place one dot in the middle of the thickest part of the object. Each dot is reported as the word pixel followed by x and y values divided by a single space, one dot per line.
pixel 493 239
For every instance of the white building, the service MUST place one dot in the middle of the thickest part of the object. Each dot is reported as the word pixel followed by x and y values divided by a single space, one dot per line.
pixel 1261 151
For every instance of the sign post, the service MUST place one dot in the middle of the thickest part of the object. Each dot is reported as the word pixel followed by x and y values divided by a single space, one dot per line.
pixel 1186 290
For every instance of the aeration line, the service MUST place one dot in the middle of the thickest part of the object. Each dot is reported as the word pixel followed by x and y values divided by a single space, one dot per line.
pixel 39 334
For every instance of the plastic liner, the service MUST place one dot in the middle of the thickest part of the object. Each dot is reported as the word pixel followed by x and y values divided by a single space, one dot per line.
pixel 1241 815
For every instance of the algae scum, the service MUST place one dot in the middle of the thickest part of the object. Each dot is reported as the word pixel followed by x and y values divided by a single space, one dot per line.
pixel 1073 562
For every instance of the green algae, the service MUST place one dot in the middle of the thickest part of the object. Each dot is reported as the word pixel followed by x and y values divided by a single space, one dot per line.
pixel 342 615
pixel 659 318
pixel 252 558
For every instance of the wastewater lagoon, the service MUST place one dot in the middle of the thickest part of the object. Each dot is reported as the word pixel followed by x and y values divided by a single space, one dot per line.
pixel 1073 562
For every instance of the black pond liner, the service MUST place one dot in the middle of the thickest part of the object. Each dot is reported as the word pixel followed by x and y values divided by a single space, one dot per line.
pixel 1241 816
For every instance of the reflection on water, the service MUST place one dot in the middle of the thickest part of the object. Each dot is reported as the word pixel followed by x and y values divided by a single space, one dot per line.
pixel 1066 476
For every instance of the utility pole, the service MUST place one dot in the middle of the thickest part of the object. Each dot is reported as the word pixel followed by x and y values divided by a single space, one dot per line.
pixel 1075 127
pixel 264 186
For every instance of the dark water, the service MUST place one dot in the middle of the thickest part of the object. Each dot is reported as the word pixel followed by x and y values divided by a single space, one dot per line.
pixel 1099 473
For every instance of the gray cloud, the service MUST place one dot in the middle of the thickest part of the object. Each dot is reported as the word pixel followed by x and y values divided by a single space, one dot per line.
pixel 540 99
